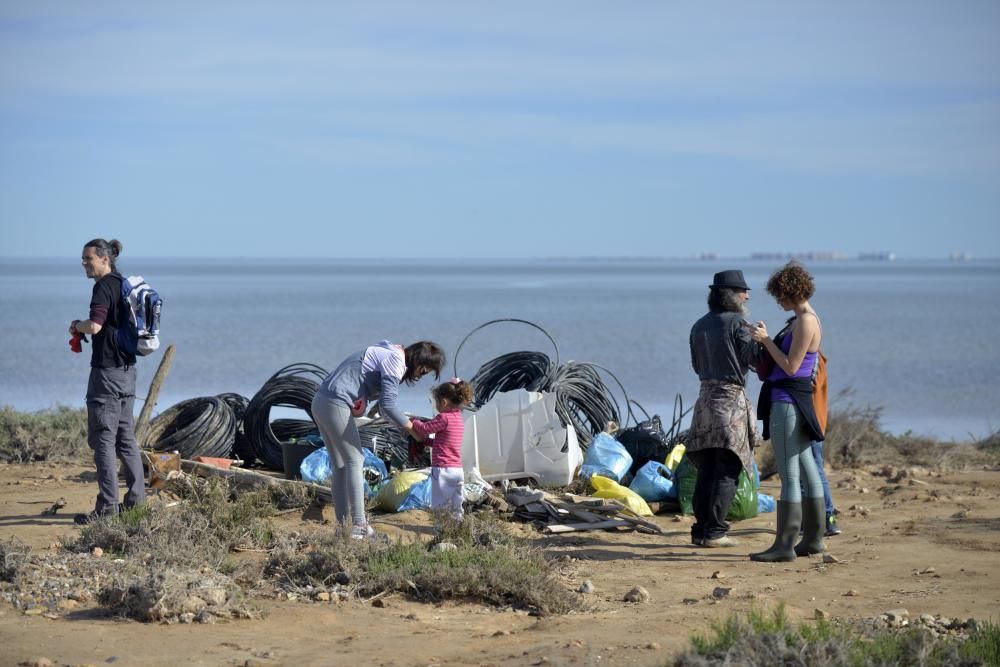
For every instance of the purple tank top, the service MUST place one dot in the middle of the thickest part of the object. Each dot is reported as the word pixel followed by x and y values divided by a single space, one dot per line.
pixel 805 370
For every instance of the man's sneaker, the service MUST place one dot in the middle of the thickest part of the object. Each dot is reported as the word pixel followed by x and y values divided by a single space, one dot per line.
pixel 362 532
pixel 719 542
pixel 832 528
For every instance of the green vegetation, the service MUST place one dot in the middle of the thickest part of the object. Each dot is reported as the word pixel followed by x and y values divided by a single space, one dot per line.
pixel 770 639
pixel 56 434
pixel 487 563
pixel 854 438
pixel 208 522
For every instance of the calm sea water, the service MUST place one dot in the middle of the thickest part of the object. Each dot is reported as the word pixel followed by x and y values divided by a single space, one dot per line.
pixel 918 339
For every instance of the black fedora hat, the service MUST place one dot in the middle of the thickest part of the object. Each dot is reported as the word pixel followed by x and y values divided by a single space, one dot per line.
pixel 733 278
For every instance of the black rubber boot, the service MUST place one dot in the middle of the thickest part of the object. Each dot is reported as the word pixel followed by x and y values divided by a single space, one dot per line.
pixel 813 527
pixel 785 533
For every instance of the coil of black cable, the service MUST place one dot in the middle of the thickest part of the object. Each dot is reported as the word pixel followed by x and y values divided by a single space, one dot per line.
pixel 286 429
pixel 386 440
pixel 583 400
pixel 241 446
pixel 196 427
pixel 291 387
pixel 515 370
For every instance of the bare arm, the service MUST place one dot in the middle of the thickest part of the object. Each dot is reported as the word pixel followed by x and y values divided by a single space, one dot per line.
pixel 806 336
pixel 85 327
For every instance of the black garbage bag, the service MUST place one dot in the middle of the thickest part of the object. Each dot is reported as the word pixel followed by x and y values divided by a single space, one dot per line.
pixel 646 441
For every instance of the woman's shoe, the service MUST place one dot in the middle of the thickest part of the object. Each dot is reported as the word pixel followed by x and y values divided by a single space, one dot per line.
pixel 362 532
pixel 813 527
pixel 785 532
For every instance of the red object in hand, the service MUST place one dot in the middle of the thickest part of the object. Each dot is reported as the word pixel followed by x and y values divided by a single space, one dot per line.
pixel 75 343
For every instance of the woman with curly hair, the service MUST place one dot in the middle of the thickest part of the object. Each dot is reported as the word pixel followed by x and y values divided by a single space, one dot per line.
pixel 786 408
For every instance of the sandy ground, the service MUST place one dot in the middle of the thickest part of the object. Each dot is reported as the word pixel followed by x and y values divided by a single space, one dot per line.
pixel 928 543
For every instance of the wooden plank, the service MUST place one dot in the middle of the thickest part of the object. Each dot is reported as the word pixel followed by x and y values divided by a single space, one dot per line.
pixel 250 478
pixel 586 515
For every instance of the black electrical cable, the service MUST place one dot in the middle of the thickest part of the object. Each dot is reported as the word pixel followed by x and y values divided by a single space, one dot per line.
pixel 516 370
pixel 286 429
pixel 386 440
pixel 552 340
pixel 674 434
pixel 241 445
pixel 583 400
pixel 195 427
pixel 291 387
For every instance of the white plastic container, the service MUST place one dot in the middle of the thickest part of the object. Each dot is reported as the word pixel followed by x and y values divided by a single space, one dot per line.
pixel 519 434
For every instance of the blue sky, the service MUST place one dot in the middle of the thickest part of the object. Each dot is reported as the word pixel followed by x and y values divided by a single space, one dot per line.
pixel 459 129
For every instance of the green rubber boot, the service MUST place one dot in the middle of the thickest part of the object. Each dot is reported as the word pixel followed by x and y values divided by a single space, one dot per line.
pixel 785 533
pixel 813 527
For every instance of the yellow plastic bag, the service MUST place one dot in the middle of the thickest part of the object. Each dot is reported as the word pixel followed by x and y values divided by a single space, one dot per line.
pixel 609 488
pixel 392 494
pixel 675 456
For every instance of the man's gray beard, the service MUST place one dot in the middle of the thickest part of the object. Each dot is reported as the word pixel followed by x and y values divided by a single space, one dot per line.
pixel 733 303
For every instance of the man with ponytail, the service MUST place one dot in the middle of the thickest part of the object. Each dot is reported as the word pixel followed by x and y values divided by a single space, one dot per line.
pixel 111 388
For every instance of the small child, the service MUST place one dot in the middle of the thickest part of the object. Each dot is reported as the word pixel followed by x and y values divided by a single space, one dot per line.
pixel 447 475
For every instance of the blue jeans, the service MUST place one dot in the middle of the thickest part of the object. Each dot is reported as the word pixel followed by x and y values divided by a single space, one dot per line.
pixel 817 452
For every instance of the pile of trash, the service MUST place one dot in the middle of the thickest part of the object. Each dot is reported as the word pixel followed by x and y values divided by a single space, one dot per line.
pixel 533 420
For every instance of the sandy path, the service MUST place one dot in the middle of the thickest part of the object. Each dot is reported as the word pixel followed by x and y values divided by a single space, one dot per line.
pixel 929 544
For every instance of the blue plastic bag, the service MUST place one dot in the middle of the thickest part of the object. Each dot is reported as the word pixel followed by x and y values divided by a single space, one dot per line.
pixel 606 457
pixel 653 482
pixel 419 497
pixel 765 503
pixel 316 468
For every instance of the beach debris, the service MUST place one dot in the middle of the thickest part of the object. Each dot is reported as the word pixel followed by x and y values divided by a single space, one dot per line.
pixel 720 592
pixel 54 507
pixel 821 615
pixel 569 512
pixel 852 593
pixel 830 558
pixel 717 574
pixel 637 594
pixel 961 514
pixel 587 587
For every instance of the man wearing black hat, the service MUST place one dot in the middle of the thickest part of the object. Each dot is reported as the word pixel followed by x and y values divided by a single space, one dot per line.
pixel 723 430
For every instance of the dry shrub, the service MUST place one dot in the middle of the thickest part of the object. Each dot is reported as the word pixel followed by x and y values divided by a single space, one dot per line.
pixel 56 434
pixel 488 564
pixel 172 596
pixel 202 529
pixel 854 437
pixel 13 555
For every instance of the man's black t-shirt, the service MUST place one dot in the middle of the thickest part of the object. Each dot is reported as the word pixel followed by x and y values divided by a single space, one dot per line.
pixel 107 301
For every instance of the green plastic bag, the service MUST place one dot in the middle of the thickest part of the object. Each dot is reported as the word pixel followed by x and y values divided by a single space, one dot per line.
pixel 744 504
